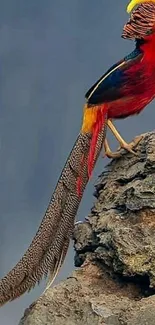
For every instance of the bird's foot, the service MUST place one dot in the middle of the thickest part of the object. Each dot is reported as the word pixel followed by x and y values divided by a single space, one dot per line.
pixel 130 146
pixel 109 153
pixel 123 145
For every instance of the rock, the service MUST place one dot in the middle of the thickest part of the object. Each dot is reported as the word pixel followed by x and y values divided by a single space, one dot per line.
pixel 91 297
pixel 115 250
pixel 122 222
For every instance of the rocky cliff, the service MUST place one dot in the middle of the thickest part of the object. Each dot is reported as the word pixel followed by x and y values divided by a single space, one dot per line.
pixel 115 252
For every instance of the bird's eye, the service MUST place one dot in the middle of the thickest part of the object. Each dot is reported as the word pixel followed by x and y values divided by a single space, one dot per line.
pixel 149 32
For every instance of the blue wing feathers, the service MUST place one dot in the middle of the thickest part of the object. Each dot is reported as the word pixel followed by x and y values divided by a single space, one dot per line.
pixel 110 88
pixel 91 89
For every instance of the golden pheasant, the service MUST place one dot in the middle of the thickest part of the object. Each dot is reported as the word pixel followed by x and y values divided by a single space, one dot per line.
pixel 124 90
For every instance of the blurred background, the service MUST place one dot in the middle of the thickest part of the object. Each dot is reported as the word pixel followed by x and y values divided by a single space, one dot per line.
pixel 51 52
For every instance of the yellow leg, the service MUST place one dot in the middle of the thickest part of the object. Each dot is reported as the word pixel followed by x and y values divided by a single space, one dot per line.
pixel 123 144
pixel 109 153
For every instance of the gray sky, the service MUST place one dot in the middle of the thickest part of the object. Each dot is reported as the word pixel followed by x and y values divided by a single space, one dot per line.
pixel 51 52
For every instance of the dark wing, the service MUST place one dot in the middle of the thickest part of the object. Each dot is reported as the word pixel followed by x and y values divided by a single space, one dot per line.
pixel 109 87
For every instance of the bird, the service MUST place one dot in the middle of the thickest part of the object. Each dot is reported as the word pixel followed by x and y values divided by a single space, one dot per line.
pixel 129 86
pixel 124 90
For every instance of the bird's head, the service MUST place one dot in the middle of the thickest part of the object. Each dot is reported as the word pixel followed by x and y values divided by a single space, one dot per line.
pixel 141 25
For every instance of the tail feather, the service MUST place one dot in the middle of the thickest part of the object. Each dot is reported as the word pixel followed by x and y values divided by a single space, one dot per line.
pixel 96 129
pixel 54 271
pixel 93 120
pixel 46 252
pixel 53 264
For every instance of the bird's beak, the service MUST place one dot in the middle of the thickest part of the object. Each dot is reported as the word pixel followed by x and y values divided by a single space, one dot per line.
pixel 134 3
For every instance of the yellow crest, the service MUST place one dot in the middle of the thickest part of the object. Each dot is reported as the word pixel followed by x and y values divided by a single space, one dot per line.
pixel 134 3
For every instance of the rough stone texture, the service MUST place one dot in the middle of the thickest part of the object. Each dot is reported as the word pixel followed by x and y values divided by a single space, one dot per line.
pixel 92 297
pixel 116 246
pixel 120 232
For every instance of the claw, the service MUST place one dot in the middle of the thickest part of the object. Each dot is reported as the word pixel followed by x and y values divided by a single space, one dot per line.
pixel 109 153
pixel 123 144
pixel 129 146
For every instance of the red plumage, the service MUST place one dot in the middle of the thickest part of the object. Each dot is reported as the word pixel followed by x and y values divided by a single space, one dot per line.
pixel 124 91
pixel 129 85
pixel 139 90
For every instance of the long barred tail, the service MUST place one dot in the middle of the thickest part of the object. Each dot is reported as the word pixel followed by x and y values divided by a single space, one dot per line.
pixel 48 249
pixel 94 118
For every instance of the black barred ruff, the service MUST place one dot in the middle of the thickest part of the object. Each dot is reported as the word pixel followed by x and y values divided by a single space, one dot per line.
pixel 141 22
